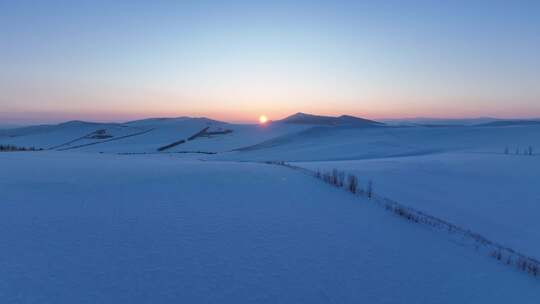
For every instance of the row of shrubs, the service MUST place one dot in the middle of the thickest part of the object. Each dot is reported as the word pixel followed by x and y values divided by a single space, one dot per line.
pixel 504 254
pixel 176 143
pixel 526 151
pixel 522 263
pixel 337 178
pixel 497 251
pixel 203 132
pixel 11 148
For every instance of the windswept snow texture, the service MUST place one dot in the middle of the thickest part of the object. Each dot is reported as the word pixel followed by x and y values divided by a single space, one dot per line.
pixel 102 228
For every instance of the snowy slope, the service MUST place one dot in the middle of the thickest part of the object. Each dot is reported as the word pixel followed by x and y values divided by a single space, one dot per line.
pixel 423 121
pixel 342 143
pixel 242 136
pixel 163 132
pixel 102 228
pixel 496 195
pixel 147 136
pixel 166 131
pixel 65 135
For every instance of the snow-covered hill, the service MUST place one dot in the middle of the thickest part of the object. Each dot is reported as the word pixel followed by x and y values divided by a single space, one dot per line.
pixel 426 121
pixel 147 136
pixel 343 120
pixel 65 135
pixel 342 143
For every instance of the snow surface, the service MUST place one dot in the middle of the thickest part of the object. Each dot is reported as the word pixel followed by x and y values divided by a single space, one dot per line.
pixel 335 143
pixel 496 195
pixel 242 136
pixel 167 227
pixel 104 228
pixel 162 132
pixel 146 136
pixel 61 135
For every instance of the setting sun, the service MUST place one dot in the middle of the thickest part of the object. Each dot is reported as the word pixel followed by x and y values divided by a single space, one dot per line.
pixel 263 119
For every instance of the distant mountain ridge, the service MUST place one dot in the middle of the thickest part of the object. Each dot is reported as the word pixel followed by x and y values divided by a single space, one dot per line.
pixel 477 121
pixel 171 121
pixel 343 120
pixel 515 122
pixel 427 121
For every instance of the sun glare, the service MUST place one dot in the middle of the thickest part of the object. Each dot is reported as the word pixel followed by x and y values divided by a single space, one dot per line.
pixel 263 119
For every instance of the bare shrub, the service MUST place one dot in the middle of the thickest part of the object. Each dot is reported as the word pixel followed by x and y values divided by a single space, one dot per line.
pixel 369 189
pixel 352 183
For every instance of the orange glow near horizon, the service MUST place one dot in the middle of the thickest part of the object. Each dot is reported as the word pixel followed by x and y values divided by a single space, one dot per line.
pixel 251 114
pixel 263 119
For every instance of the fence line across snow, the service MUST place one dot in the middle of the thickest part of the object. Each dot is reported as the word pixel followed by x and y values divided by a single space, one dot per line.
pixel 496 250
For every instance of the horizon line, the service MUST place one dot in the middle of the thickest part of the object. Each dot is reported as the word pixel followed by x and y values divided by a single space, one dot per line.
pixel 21 121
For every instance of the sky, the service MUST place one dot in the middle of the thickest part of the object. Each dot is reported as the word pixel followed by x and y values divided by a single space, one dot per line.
pixel 235 60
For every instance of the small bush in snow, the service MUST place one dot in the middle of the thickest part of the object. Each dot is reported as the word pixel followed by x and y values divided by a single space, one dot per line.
pixel 496 254
pixel 341 179
pixel 352 183
pixel 335 177
pixel 369 189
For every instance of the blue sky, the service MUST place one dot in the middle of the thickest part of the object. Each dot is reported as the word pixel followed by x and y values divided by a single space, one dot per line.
pixel 234 60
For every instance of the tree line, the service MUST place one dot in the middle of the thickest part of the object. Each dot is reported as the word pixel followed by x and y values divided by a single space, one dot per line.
pixel 517 151
pixel 12 148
